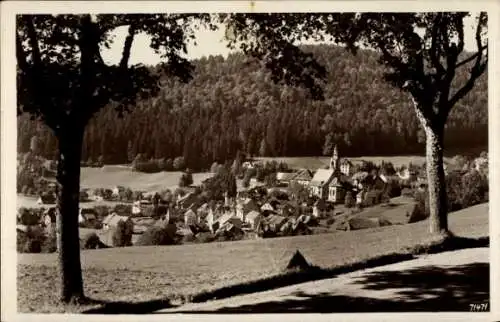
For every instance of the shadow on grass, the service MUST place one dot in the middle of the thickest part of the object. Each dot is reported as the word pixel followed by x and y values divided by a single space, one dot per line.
pixel 314 273
pixel 128 307
pixel 329 302
pixel 427 289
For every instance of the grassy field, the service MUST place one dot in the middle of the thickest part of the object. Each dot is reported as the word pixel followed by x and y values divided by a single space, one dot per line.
pixel 319 162
pixel 138 274
pixel 111 176
pixel 118 175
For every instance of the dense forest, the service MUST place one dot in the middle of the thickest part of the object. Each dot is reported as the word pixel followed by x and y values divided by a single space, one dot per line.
pixel 232 105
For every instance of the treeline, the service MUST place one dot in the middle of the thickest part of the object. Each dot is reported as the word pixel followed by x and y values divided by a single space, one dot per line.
pixel 232 105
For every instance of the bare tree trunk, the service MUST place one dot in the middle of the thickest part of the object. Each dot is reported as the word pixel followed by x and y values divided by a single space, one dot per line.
pixel 438 202
pixel 68 241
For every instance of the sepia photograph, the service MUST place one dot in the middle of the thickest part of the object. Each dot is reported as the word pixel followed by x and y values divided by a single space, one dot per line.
pixel 246 158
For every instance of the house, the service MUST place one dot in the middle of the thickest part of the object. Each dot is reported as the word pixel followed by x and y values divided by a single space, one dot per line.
pixel 253 218
pixel 343 165
pixel 284 177
pixel 116 191
pixel 190 218
pixel 302 177
pixel 188 200
pixel 267 208
pixel 407 174
pixel 320 181
pixel 243 208
pixel 337 189
pixel 346 167
pixel 139 205
pixel 248 165
pixel 111 221
pixel 330 184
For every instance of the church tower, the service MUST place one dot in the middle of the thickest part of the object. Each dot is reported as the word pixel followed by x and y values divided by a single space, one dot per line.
pixel 334 161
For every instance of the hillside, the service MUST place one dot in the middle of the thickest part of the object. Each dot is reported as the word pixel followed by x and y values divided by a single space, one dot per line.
pixel 232 104
pixel 146 273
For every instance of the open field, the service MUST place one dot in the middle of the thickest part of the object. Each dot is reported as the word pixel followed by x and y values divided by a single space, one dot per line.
pixel 147 273
pixel 30 202
pixel 319 162
pixel 111 176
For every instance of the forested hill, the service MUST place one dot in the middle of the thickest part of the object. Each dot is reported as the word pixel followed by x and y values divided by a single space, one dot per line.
pixel 232 104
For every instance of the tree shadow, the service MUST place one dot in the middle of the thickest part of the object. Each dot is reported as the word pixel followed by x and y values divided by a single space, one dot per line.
pixel 426 289
pixel 119 307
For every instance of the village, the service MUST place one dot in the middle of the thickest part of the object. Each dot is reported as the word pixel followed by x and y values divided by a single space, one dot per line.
pixel 300 202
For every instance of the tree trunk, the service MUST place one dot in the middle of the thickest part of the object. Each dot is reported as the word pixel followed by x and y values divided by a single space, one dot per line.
pixel 438 202
pixel 68 241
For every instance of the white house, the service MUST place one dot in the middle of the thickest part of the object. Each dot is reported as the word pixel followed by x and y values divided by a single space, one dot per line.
pixel 253 218
pixel 190 218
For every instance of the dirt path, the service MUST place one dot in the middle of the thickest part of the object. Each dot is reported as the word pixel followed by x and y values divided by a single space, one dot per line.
pixel 449 281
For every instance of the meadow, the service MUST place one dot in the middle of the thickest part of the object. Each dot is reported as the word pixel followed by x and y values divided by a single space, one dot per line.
pixel 138 274
pixel 322 161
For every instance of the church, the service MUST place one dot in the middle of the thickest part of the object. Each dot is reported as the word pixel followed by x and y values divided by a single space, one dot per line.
pixel 331 184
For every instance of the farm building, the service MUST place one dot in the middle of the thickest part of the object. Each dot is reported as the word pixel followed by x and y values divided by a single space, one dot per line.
pixel 253 218
pixel 302 177
pixel 111 221
pixel 284 177
pixel 190 218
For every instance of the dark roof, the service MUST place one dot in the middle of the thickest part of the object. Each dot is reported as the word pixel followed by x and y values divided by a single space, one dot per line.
pixel 304 174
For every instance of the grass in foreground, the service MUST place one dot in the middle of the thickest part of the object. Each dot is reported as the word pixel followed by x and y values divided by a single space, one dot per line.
pixel 145 275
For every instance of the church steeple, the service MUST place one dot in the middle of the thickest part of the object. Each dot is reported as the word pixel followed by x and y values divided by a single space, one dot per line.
pixel 334 161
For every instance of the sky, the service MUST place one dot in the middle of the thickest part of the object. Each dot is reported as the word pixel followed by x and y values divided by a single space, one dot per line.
pixel 208 43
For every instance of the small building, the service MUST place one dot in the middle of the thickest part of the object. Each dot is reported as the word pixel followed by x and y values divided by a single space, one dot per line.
pixel 111 221
pixel 284 177
pixel 190 218
pixel 253 218
pixel 116 191
pixel 302 177
pixel 346 167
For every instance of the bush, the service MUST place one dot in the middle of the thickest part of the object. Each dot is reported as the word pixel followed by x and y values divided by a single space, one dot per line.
pixel 421 209
pixel 92 241
pixel 205 237
pixel 34 240
pixel 330 221
pixel 49 244
pixel 466 189
pixel 349 200
pixel 407 192
pixel 186 179
pixel 123 209
pixel 179 164
pixel 122 236
pixel 158 236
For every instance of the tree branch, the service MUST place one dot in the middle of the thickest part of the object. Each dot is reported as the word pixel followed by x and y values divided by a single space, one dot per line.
pixel 434 50
pixel 21 55
pixel 33 39
pixel 471 58
pixel 127 47
pixel 476 71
